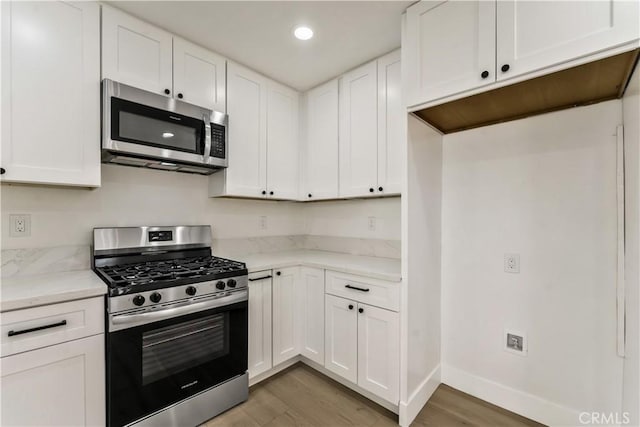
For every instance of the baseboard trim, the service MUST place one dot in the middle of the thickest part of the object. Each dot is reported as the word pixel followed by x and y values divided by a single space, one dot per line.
pixel 271 372
pixel 410 410
pixel 525 404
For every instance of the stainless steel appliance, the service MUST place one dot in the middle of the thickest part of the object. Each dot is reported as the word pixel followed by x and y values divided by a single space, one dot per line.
pixel 145 129
pixel 177 325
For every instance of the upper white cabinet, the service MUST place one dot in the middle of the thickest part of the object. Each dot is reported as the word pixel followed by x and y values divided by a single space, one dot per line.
pixel 51 93
pixel 453 47
pixel 285 322
pixel 199 76
pixel 263 138
pixel 311 320
pixel 139 54
pixel 359 131
pixel 321 150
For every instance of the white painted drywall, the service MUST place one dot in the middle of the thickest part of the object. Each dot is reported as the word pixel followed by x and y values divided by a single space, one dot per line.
pixel 631 113
pixel 130 197
pixel 543 187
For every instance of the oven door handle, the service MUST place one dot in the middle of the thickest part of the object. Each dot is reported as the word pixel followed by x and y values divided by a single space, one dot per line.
pixel 207 137
pixel 124 321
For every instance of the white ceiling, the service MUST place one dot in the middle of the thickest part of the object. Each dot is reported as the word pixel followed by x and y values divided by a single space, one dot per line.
pixel 258 34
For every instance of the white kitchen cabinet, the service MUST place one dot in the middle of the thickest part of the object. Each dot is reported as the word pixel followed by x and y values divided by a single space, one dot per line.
pixel 285 320
pixel 199 75
pixel 136 53
pixel 60 385
pixel 392 124
pixel 358 123
pixel 452 47
pixel 51 93
pixel 282 141
pixel 311 313
pixel 379 351
pixel 260 354
pixel 341 337
pixel 321 148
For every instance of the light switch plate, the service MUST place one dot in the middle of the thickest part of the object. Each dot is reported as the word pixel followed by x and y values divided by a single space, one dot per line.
pixel 512 263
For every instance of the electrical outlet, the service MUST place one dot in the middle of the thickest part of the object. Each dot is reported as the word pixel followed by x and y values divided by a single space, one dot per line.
pixel 512 263
pixel 263 223
pixel 515 342
pixel 20 225
pixel 372 223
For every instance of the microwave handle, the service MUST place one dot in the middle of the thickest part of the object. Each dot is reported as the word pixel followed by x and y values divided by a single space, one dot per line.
pixel 207 136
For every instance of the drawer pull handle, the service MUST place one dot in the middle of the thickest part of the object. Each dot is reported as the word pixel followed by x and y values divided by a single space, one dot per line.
pixel 37 328
pixel 260 278
pixel 355 288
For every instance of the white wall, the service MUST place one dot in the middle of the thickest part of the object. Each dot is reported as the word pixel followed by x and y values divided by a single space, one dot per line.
pixel 631 111
pixel 545 188
pixel 130 197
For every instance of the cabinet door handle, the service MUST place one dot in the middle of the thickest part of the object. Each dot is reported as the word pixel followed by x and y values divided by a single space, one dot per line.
pixel 505 68
pixel 309 194
pixel 371 190
pixel 3 170
pixel 355 288
pixel 350 306
pixel 260 278
pixel 167 91
pixel 180 96
pixel 37 328
pixel 271 193
pixel 380 189
pixel 484 74
pixel 264 192
pixel 361 310
pixel 278 273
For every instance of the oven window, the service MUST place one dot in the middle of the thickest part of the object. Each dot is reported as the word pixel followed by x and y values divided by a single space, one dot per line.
pixel 158 132
pixel 176 348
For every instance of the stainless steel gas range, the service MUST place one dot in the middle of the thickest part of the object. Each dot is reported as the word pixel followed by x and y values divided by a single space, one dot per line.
pixel 177 325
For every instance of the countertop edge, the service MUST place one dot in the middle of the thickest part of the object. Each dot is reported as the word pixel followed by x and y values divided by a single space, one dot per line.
pixel 340 269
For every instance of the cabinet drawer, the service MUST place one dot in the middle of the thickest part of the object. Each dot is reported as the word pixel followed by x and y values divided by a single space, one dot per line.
pixel 32 328
pixel 378 293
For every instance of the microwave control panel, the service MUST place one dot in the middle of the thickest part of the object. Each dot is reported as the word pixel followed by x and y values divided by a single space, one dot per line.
pixel 218 146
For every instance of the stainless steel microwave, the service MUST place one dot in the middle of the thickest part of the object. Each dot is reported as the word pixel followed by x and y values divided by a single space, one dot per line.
pixel 145 129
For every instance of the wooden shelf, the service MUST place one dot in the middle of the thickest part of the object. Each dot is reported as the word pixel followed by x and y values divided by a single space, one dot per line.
pixel 590 83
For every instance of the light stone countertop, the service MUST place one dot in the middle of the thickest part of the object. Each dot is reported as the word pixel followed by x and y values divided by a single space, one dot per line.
pixel 30 291
pixel 376 268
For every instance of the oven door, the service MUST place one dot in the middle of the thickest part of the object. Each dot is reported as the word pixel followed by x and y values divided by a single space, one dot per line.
pixel 154 365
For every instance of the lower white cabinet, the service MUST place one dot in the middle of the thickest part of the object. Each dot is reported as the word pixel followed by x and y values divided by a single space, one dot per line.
pixel 285 322
pixel 362 345
pixel 311 309
pixel 260 358
pixel 59 385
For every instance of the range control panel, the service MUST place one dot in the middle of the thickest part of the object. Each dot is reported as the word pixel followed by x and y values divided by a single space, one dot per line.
pixel 218 146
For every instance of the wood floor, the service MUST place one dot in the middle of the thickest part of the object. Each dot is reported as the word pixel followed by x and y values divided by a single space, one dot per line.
pixel 300 396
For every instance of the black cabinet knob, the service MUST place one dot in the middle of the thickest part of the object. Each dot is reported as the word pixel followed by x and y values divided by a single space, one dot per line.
pixel 220 285
pixel 309 193
pixel 191 290
pixel 155 297
pixel 3 170
pixel 180 96
pixel 505 68
pixel 484 74
pixel 371 190
pixel 264 192
pixel 380 188
pixel 231 283
pixel 361 310
pixel 167 91
pixel 138 300
pixel 350 306
pixel 271 193
pixel 278 273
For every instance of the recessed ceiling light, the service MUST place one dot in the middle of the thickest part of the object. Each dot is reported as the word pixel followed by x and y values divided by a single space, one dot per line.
pixel 167 135
pixel 303 33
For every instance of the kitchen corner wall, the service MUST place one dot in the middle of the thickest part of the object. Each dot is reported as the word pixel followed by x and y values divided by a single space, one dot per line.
pixel 544 188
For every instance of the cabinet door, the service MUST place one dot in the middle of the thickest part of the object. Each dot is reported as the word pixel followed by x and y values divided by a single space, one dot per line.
pixel 259 323
pixel 392 124
pixel 135 53
pixel 532 35
pixel 51 93
pixel 341 337
pixel 58 385
pixel 199 75
pixel 282 142
pixel 285 321
pixel 449 46
pixel 379 352
pixel 311 308
pixel 247 106
pixel 321 154
pixel 359 132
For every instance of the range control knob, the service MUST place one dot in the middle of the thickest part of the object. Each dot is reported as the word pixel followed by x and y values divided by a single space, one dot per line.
pixel 138 300
pixel 231 283
pixel 220 285
pixel 191 290
pixel 155 297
